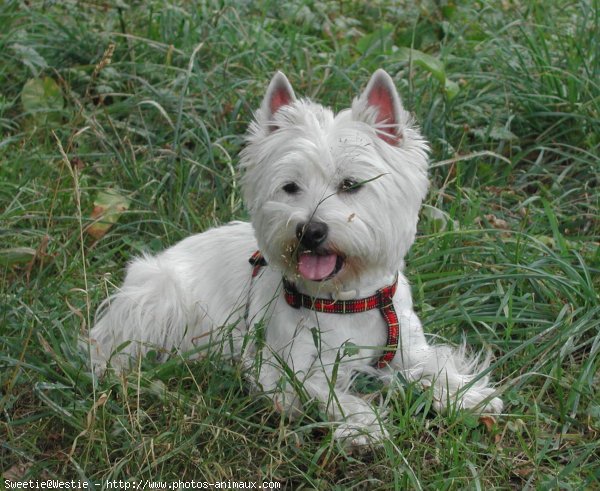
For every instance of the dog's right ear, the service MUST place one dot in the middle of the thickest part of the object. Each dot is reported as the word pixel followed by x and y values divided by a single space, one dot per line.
pixel 279 94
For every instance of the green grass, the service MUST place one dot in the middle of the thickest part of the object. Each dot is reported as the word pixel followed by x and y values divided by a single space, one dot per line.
pixel 507 253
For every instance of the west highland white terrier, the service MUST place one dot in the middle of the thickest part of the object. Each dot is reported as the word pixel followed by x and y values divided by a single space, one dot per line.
pixel 311 292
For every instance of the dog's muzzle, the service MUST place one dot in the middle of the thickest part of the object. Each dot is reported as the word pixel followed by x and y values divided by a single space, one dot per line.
pixel 312 234
pixel 315 261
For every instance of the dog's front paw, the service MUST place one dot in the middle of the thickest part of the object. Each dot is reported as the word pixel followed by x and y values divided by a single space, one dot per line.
pixel 492 406
pixel 479 400
pixel 356 436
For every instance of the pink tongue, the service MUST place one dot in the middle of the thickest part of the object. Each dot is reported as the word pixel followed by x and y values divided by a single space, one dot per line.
pixel 316 268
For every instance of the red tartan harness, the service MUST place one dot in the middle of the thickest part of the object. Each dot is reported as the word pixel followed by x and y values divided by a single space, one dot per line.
pixel 382 299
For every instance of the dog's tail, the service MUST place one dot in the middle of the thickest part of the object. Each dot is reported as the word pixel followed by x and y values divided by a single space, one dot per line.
pixel 145 313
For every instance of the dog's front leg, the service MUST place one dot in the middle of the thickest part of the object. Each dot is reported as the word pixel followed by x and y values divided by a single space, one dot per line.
pixel 357 421
pixel 291 387
pixel 456 379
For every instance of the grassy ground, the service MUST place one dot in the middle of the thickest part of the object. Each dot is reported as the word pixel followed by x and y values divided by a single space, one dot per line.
pixel 507 250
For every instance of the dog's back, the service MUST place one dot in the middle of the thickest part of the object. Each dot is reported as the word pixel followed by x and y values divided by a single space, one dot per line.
pixel 165 301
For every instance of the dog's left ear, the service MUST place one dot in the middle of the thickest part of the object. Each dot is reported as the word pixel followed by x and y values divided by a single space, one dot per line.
pixel 279 94
pixel 382 97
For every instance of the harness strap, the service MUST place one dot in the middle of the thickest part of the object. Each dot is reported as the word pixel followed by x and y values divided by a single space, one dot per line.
pixel 382 300
pixel 257 261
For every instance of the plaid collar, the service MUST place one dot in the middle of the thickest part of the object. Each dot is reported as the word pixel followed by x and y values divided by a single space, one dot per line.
pixel 382 300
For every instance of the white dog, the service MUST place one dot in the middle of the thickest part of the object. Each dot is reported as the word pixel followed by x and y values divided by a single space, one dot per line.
pixel 334 202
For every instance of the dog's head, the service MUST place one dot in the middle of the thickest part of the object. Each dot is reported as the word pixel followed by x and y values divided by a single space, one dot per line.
pixel 334 197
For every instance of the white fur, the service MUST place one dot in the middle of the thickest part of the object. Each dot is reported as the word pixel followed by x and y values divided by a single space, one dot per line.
pixel 200 291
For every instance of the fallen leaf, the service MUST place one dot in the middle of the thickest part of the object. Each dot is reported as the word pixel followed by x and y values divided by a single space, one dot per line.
pixel 42 98
pixel 101 401
pixel 108 207
pixel 451 89
pixel 494 221
pixel 16 472
pixel 488 421
pixel 16 255
pixel 77 163
pixel 379 41
pixel 497 222
pixel 433 65
pixel 40 254
pixel 524 471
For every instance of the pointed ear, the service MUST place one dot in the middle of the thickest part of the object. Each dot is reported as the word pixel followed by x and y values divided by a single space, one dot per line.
pixel 381 96
pixel 279 94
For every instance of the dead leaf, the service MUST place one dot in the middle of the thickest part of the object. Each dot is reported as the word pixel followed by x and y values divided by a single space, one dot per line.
pixel 524 471
pixel 77 163
pixel 497 222
pixel 16 472
pixel 108 207
pixel 488 421
pixel 101 401
pixel 40 254
pixel 16 255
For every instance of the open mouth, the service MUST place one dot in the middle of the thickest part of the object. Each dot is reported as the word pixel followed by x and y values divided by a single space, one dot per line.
pixel 319 267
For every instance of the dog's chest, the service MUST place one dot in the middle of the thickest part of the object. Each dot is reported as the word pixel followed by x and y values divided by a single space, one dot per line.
pixel 299 332
pixel 351 336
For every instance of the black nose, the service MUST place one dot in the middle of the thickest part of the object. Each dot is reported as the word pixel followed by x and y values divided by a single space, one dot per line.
pixel 312 234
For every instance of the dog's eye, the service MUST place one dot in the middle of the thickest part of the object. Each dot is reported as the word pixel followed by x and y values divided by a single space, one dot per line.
pixel 291 188
pixel 349 185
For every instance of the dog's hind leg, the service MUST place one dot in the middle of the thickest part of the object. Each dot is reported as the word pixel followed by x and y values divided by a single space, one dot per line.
pixel 149 311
